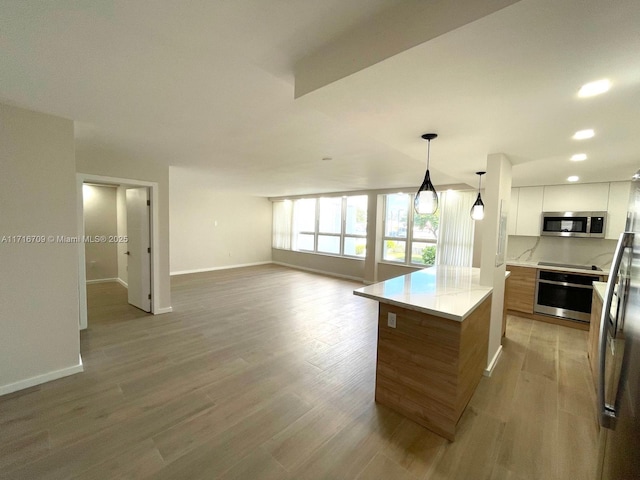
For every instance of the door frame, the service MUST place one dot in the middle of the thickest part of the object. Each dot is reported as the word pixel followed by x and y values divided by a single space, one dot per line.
pixel 154 232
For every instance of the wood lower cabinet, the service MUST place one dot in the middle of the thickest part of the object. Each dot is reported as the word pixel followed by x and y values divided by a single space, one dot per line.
pixel 428 366
pixel 520 289
pixel 520 296
pixel 594 336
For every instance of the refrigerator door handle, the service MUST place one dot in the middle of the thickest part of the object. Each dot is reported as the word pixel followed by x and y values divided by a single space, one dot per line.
pixel 607 412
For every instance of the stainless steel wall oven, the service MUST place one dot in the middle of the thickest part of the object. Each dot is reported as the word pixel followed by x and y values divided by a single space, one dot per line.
pixel 564 295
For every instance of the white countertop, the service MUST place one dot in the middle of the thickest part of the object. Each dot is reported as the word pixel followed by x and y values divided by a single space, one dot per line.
pixel 556 269
pixel 448 292
pixel 600 288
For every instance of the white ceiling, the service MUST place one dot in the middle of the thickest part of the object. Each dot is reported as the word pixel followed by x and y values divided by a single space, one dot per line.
pixel 210 85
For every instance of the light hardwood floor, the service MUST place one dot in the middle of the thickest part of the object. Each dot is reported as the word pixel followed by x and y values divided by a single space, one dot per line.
pixel 268 373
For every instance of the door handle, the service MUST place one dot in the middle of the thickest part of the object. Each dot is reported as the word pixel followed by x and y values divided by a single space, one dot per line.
pixel 127 253
pixel 566 284
pixel 607 412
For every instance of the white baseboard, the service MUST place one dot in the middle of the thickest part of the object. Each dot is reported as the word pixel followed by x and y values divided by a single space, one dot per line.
pixel 321 272
pixel 103 280
pixel 492 364
pixel 47 377
pixel 109 280
pixel 212 269
pixel 162 310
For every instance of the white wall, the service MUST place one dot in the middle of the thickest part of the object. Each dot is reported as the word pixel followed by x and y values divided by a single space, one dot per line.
pixel 331 265
pixel 478 232
pixel 388 270
pixel 112 164
pixel 211 229
pixel 39 336
pixel 497 197
pixel 100 219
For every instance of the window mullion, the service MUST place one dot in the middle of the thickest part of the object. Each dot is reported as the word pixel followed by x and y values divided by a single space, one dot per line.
pixel 291 224
pixel 343 224
pixel 317 223
pixel 384 227
pixel 409 242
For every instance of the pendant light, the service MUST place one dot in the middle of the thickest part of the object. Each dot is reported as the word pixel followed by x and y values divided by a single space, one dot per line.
pixel 477 211
pixel 426 201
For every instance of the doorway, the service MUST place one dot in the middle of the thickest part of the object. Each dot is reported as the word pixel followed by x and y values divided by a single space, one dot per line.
pixel 134 240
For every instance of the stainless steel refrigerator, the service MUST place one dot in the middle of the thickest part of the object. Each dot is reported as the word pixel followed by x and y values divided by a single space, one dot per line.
pixel 619 358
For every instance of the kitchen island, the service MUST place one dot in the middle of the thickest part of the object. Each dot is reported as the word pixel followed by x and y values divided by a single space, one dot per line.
pixel 433 334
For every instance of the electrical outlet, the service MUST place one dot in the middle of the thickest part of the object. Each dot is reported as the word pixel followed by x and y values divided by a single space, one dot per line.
pixel 391 320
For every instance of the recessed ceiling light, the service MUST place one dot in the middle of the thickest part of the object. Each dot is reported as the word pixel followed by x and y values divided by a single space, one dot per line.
pixel 578 157
pixel 573 178
pixel 583 134
pixel 594 88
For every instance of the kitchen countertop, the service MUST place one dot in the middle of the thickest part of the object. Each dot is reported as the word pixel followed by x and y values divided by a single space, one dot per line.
pixel 557 269
pixel 600 288
pixel 443 291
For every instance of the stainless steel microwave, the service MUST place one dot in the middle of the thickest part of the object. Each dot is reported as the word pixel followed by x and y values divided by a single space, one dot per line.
pixel 574 224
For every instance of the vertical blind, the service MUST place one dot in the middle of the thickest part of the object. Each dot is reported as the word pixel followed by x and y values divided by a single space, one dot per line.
pixel 282 224
pixel 455 238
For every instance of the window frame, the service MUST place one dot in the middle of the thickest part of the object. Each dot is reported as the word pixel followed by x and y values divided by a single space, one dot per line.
pixel 342 235
pixel 409 239
pixel 305 232
pixel 345 235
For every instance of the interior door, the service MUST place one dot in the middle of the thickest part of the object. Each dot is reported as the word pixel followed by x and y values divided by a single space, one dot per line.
pixel 139 248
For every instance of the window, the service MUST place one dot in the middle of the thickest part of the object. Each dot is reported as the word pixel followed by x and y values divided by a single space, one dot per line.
pixel 329 225
pixel 355 230
pixel 304 224
pixel 282 224
pixel 409 238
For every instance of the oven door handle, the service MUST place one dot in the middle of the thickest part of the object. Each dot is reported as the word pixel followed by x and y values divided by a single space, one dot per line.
pixel 606 412
pixel 566 284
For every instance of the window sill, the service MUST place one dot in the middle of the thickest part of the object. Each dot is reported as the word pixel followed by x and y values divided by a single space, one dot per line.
pixel 406 265
pixel 344 257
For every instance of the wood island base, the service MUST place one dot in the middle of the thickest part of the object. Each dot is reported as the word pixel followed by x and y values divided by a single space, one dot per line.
pixel 428 367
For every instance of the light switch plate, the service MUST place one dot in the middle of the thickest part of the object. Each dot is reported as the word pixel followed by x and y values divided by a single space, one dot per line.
pixel 391 320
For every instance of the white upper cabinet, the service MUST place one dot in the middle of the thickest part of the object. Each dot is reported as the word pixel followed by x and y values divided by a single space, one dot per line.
pixel 528 203
pixel 529 211
pixel 617 209
pixel 589 197
pixel 513 212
